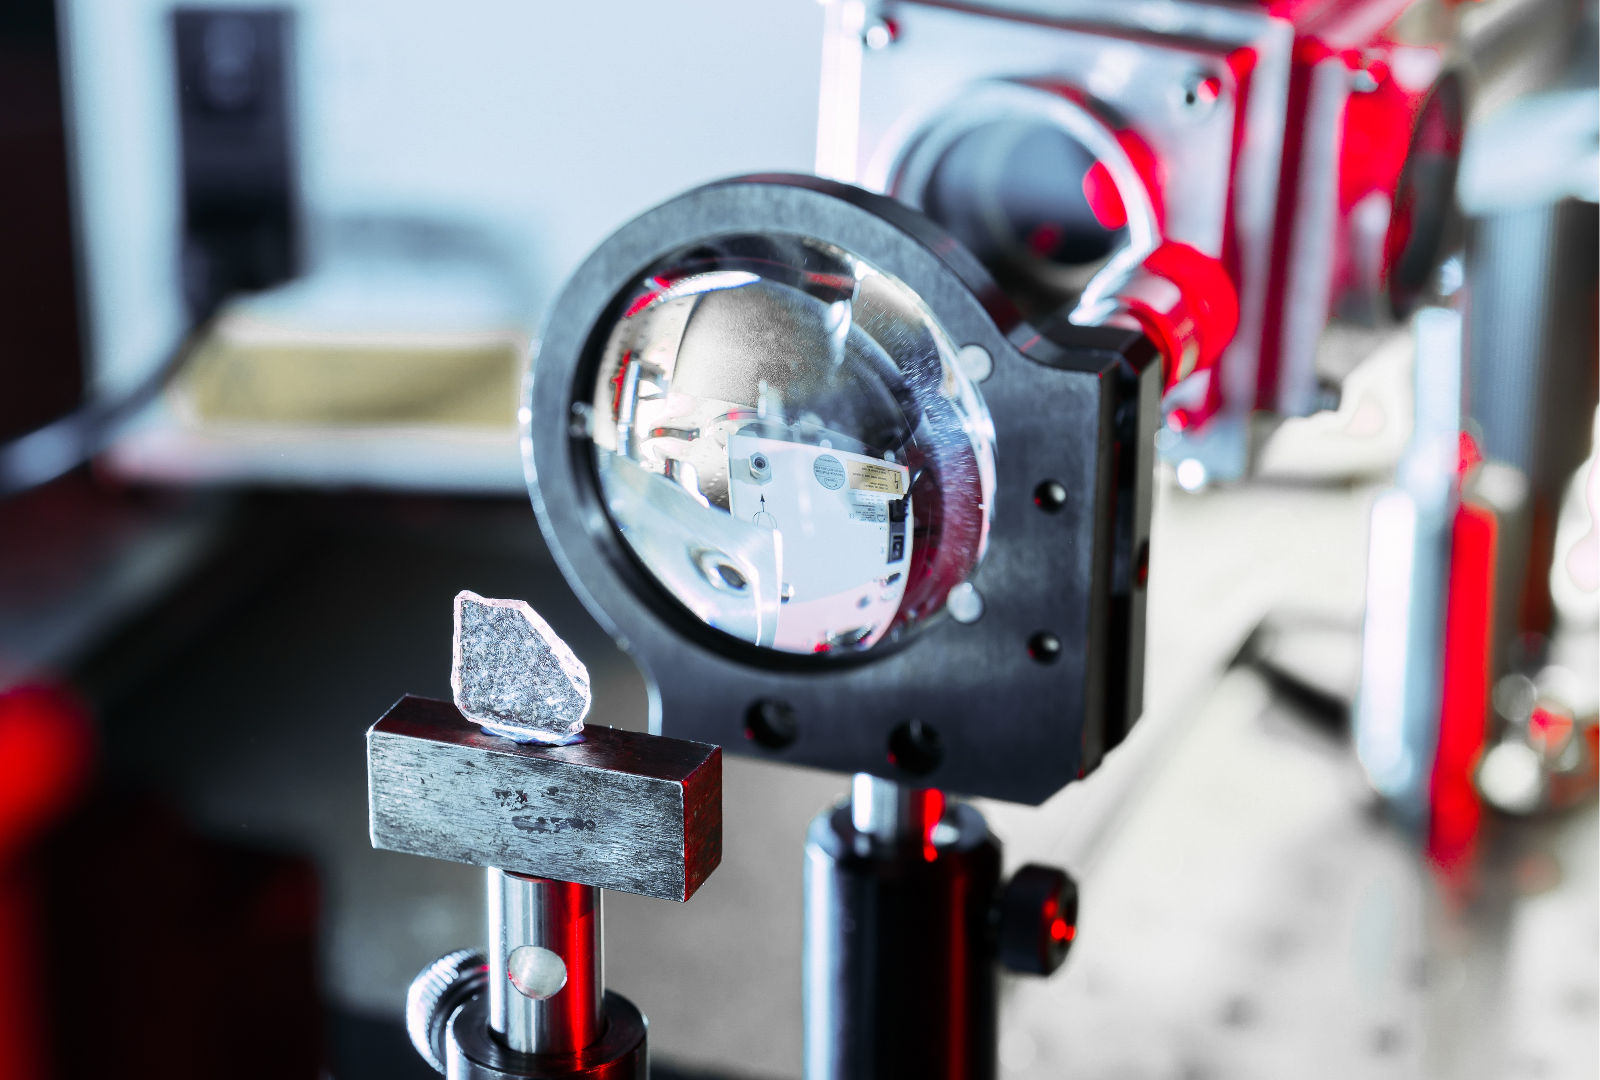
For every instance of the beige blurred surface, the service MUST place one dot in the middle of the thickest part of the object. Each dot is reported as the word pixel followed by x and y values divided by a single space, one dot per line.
pixel 250 372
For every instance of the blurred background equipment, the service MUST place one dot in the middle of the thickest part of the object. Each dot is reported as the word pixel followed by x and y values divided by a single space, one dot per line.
pixel 1308 149
pixel 240 229
pixel 447 175
pixel 279 270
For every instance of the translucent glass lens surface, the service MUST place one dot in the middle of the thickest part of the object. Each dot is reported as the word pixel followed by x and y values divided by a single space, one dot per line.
pixel 784 439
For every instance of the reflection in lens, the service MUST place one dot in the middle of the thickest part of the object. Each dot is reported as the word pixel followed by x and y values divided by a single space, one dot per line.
pixel 784 440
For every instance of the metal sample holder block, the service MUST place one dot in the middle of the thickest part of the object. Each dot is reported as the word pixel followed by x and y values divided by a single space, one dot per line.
pixel 555 824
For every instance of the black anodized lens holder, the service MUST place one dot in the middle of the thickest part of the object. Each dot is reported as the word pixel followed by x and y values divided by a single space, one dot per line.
pixel 1013 705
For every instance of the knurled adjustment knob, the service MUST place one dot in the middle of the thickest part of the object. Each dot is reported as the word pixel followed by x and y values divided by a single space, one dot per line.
pixel 1038 919
pixel 435 994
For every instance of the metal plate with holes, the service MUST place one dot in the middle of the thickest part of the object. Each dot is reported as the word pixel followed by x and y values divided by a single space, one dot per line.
pixel 620 810
pixel 955 65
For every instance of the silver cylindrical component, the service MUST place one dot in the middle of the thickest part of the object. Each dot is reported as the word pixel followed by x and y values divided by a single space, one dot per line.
pixel 898 967
pixel 545 978
pixel 876 805
pixel 891 812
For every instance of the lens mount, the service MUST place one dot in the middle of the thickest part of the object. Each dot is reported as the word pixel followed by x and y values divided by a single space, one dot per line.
pixel 1010 726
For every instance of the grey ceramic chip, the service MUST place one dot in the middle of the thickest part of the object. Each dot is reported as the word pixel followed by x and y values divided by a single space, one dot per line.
pixel 513 675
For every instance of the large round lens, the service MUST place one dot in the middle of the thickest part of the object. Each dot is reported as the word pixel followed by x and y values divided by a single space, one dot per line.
pixel 785 441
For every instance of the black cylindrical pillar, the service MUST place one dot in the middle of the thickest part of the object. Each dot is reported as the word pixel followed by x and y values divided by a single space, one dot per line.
pixel 900 949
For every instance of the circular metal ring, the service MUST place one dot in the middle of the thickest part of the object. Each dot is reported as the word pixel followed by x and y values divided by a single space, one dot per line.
pixel 621 1052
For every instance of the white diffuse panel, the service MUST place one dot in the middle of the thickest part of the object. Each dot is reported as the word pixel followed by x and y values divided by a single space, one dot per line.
pixel 845 548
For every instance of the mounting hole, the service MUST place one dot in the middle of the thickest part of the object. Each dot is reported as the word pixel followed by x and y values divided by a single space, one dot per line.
pixel 1050 496
pixel 1044 647
pixel 915 747
pixel 771 724
pixel 536 972
pixel 720 571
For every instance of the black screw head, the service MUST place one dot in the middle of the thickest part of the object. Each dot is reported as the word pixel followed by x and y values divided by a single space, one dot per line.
pixel 1044 647
pixel 1037 919
pixel 1050 496
pixel 771 724
pixel 915 747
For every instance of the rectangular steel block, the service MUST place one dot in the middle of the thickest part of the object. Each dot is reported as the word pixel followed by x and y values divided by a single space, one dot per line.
pixel 620 810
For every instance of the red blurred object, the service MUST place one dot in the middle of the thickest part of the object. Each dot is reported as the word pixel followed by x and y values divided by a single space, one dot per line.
pixel 930 810
pixel 1456 810
pixel 1550 730
pixel 46 755
pixel 1186 303
pixel 1344 219
pixel 1294 142
pixel 46 750
pixel 1470 455
pixel 220 941
pixel 1105 201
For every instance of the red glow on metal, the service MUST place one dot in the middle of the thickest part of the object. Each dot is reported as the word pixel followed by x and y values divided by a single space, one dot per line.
pixel 1350 100
pixel 930 811
pixel 1242 64
pixel 1345 54
pixel 1105 201
pixel 1152 173
pixel 1550 730
pixel 46 748
pixel 1456 812
pixel 1063 931
pixel 1306 56
pixel 1213 301
pixel 617 381
pixel 1470 455
pixel 1376 136
pixel 1148 166
pixel 640 302
pixel 1187 304
pixel 842 283
pixel 46 745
